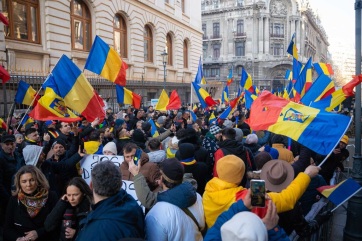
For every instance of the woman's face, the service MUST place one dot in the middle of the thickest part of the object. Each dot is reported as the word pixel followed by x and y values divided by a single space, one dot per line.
pixel 28 183
pixel 74 195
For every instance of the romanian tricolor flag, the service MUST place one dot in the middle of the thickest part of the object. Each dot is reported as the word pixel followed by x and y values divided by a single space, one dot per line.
pixel 192 115
pixel 321 87
pixel 323 68
pixel 77 92
pixel 105 61
pixel 225 95
pixel 194 108
pixel 204 97
pixel 168 103
pixel 26 120
pixel 212 118
pixel 292 48
pixel 25 94
pixel 249 99
pixel 309 126
pixel 340 193
pixel 154 132
pixel 231 108
pixel 288 74
pixel 52 107
pixel 125 96
pixel 3 124
pixel 304 81
pixel 200 78
pixel 297 66
pixel 246 82
pixel 337 97
pixel 230 78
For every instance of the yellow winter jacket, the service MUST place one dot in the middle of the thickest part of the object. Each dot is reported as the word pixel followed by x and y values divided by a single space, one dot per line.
pixel 219 195
pixel 217 198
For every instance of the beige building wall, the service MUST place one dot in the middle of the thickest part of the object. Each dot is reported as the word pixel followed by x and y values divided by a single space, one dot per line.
pixel 21 57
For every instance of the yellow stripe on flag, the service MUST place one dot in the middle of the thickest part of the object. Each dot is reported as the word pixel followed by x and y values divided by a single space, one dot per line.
pixel 112 65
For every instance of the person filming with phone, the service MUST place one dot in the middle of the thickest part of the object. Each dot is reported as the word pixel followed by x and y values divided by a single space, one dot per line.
pixel 150 170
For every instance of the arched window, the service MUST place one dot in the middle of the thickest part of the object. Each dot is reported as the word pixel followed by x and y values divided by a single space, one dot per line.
pixel 81 25
pixel 169 49
pixel 23 18
pixel 186 55
pixel 120 35
pixel 148 43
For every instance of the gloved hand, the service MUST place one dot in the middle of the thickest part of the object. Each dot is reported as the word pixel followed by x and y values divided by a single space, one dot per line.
pixel 323 217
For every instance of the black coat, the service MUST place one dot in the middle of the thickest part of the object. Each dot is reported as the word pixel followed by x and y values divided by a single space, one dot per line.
pixel 18 220
pixel 54 221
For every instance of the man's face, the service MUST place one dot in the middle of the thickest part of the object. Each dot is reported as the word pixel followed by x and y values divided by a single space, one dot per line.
pixel 128 157
pixel 140 114
pixel 218 136
pixel 8 147
pixel 342 145
pixel 107 133
pixel 186 115
pixel 125 133
pixel 33 136
pixel 150 108
pixel 65 128
pixel 58 149
pixel 84 122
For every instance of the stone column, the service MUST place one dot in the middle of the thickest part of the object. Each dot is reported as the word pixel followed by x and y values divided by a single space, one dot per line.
pixel 260 38
pixel 266 36
pixel 292 27
pixel 299 34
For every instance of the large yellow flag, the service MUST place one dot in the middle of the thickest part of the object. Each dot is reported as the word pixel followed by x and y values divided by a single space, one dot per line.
pixel 162 101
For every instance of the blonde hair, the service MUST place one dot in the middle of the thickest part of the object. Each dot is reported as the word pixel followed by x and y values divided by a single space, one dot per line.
pixel 39 177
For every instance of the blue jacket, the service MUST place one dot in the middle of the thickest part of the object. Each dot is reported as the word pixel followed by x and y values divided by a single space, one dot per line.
pixel 214 233
pixel 112 219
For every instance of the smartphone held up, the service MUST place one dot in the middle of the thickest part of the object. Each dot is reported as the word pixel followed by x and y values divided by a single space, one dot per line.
pixel 257 188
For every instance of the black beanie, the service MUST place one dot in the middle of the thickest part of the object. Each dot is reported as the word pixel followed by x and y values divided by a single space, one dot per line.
pixel 172 170
pixel 187 150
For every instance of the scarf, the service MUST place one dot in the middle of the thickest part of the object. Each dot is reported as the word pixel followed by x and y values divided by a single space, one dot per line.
pixel 188 161
pixel 31 141
pixel 34 203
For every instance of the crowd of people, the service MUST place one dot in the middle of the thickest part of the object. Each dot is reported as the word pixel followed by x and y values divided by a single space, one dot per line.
pixel 192 178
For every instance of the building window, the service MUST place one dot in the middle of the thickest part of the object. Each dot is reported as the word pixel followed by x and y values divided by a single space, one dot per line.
pixel 240 27
pixel 216 53
pixel 204 50
pixel 186 55
pixel 277 49
pixel 240 48
pixel 204 36
pixel 148 44
pixel 277 30
pixel 216 30
pixel 120 35
pixel 169 49
pixel 215 72
pixel 81 25
pixel 23 18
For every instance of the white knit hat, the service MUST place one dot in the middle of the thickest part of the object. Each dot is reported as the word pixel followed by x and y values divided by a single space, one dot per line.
pixel 244 226
pixel 110 146
pixel 31 154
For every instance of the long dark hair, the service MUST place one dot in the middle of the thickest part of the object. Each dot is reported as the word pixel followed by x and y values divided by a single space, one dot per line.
pixel 83 187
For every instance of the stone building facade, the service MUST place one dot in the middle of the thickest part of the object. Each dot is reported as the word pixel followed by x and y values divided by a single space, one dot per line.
pixel 255 34
pixel 42 31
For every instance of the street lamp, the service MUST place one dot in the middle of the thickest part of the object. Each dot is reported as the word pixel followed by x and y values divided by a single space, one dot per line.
pixel 164 61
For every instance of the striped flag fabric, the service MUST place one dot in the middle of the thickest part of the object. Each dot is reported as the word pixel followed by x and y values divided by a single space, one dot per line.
pixel 125 96
pixel 3 124
pixel 340 193
pixel 246 81
pixel 77 92
pixel 154 132
pixel 310 127
pixel 230 78
pixel 292 48
pixel 204 98
pixel 323 68
pixel 200 78
pixel 322 85
pixel 25 94
pixel 105 61
pixel 168 103
pixel 225 95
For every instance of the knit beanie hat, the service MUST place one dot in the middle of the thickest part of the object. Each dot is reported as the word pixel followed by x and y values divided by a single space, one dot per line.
pixel 59 141
pixel 272 151
pixel 31 154
pixel 187 150
pixel 139 136
pixel 251 139
pixel 111 147
pixel 261 158
pixel 245 226
pixel 161 120
pixel 230 169
pixel 238 134
pixel 172 170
